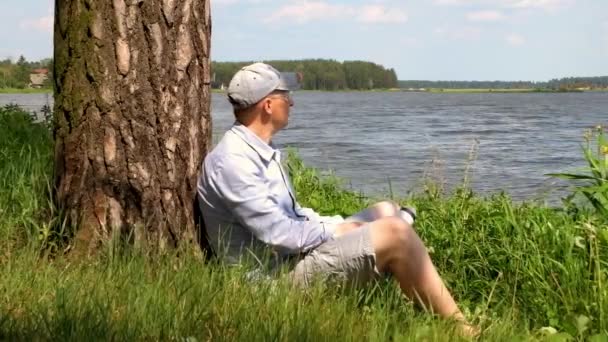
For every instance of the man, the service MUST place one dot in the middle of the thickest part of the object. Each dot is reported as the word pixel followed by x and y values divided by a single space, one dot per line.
pixel 250 207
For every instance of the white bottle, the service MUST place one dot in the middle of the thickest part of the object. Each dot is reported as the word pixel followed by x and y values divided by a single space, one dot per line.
pixel 408 214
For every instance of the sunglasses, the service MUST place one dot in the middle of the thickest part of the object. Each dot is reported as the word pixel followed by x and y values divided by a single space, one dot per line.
pixel 286 96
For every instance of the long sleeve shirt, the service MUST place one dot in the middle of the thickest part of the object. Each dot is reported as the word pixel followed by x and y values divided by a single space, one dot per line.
pixel 247 200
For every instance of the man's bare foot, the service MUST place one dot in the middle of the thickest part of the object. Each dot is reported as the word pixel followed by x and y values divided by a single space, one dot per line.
pixel 468 330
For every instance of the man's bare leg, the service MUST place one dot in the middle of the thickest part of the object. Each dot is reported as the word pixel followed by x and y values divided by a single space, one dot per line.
pixel 400 251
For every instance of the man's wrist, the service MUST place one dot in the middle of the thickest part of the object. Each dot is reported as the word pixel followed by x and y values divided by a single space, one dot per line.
pixel 330 230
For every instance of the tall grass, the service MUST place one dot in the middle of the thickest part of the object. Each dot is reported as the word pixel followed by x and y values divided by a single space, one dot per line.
pixel 25 168
pixel 521 271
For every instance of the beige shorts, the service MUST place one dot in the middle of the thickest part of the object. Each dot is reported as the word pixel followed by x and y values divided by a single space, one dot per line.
pixel 349 259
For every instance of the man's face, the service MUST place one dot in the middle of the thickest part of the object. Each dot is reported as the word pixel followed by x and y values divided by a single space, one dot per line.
pixel 281 102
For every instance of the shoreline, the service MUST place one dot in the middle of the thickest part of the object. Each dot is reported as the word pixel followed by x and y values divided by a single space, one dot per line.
pixel 25 91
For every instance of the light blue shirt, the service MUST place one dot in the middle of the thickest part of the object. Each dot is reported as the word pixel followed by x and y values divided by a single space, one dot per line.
pixel 247 201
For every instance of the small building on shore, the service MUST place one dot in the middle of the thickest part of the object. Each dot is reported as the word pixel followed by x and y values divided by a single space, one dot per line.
pixel 38 77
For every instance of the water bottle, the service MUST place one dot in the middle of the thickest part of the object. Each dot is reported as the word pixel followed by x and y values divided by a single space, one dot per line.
pixel 408 214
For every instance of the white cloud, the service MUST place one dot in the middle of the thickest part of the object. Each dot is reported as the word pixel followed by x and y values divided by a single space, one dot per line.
pixel 455 2
pixel 307 11
pixel 381 14
pixel 514 4
pixel 44 23
pixel 485 16
pixel 224 2
pixel 234 2
pixel 541 4
pixel 515 39
pixel 41 24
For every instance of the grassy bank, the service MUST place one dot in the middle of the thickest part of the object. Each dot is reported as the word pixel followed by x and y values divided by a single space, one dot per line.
pixel 24 91
pixel 507 91
pixel 521 271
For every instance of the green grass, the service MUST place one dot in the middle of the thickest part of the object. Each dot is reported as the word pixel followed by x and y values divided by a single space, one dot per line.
pixel 511 91
pixel 475 91
pixel 24 91
pixel 521 271
pixel 25 168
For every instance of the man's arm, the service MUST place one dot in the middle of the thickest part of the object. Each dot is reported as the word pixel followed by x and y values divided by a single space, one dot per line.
pixel 244 190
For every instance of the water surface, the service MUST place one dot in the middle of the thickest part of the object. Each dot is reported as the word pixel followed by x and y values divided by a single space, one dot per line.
pixel 371 139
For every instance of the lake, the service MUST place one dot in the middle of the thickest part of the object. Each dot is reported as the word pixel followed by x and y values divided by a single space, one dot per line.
pixel 373 139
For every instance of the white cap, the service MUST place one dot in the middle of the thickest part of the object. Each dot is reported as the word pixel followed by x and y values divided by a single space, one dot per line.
pixel 254 82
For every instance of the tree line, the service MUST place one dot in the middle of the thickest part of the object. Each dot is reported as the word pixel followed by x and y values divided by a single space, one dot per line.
pixel 319 74
pixel 17 74
pixel 578 82
pixel 555 84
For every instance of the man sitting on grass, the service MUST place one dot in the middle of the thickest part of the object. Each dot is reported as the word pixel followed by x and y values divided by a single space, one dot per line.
pixel 249 206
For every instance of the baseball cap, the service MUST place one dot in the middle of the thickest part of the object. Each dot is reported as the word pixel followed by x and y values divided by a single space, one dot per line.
pixel 254 82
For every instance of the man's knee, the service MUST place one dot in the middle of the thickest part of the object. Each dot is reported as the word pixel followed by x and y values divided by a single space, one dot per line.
pixel 391 237
pixel 393 231
pixel 400 229
pixel 386 208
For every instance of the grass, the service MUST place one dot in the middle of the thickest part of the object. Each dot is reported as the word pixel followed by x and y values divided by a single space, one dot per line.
pixel 507 91
pixel 24 91
pixel 25 168
pixel 484 90
pixel 521 271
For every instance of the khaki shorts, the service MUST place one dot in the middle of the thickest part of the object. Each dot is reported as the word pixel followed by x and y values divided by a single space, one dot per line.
pixel 349 259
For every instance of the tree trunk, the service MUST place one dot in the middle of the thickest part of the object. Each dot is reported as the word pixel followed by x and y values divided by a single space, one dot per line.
pixel 132 116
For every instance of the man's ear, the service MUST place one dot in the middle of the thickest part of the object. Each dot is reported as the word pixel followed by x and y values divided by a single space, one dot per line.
pixel 267 106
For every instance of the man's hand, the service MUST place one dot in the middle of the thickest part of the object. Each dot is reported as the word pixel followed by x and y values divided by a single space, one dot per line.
pixel 346 227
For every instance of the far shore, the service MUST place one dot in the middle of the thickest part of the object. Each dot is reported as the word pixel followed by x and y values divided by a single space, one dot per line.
pixel 391 90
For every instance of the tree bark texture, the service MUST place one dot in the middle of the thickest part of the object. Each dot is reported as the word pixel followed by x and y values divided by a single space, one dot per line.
pixel 132 116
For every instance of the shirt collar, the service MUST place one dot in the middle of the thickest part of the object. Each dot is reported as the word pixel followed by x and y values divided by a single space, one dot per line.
pixel 266 151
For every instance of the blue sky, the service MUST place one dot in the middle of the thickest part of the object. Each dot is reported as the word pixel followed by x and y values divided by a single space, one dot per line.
pixel 432 39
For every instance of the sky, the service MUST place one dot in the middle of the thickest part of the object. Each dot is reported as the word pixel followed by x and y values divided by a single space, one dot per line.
pixel 534 40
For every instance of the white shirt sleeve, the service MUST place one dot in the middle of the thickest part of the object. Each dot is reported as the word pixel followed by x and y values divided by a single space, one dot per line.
pixel 245 191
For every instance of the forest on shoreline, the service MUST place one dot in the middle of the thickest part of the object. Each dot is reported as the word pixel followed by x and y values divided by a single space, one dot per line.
pixel 319 74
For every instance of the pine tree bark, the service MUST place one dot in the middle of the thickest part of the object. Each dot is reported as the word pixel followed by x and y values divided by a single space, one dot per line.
pixel 132 116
